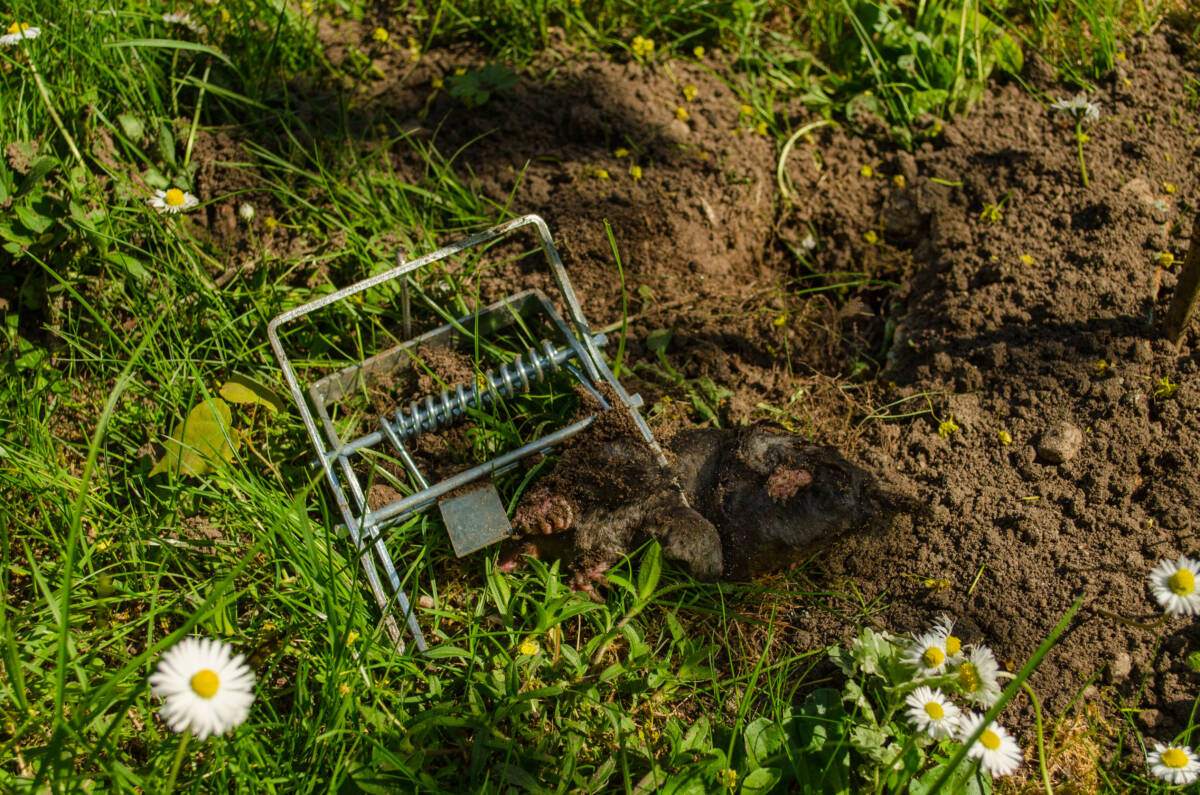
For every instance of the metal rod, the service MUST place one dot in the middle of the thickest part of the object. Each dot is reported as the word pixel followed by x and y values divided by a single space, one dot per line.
pixel 408 504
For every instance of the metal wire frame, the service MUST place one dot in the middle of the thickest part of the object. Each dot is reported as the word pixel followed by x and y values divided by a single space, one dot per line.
pixel 363 524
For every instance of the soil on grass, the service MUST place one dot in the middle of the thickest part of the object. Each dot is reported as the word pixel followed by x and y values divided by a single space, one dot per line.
pixel 974 286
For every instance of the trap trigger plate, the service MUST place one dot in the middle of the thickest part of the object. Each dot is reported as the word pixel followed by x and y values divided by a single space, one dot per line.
pixel 474 517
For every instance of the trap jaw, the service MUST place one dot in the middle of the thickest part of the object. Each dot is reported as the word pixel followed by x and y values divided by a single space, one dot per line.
pixel 470 505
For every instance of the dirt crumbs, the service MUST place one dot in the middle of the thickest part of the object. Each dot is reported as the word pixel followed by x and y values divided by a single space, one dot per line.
pixel 1069 440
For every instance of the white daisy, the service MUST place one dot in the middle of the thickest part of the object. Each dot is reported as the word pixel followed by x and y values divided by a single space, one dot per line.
pixel 1174 764
pixel 172 201
pixel 246 212
pixel 927 654
pixel 933 713
pixel 1078 108
pixel 976 676
pixel 18 31
pixel 204 687
pixel 944 626
pixel 1173 584
pixel 996 750
pixel 181 19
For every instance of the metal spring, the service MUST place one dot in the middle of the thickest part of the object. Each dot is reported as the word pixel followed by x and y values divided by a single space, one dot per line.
pixel 515 377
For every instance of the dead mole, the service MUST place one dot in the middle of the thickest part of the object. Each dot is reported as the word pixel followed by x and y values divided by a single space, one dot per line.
pixel 731 504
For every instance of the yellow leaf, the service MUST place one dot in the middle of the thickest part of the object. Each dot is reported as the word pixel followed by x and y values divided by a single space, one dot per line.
pixel 241 389
pixel 205 438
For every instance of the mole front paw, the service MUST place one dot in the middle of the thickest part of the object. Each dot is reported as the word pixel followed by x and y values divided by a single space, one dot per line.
pixel 543 513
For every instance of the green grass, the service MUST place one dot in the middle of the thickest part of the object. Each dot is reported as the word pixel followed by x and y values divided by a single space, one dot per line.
pixel 120 321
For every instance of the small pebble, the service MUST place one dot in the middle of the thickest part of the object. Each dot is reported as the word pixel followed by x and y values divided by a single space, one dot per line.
pixel 1120 667
pixel 1061 442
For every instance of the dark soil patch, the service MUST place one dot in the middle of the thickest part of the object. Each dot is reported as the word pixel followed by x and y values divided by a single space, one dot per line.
pixel 1045 317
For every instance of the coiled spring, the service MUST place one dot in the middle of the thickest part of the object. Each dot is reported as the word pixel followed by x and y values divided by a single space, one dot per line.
pixel 514 378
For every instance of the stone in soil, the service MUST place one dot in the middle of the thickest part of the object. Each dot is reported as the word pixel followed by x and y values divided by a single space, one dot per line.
pixel 1061 442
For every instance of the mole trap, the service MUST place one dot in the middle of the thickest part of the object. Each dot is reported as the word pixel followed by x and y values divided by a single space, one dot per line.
pixel 513 346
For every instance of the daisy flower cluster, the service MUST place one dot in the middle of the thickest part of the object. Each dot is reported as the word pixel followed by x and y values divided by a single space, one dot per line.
pixel 1173 585
pixel 938 657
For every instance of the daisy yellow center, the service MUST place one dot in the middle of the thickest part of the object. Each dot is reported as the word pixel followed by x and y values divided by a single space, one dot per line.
pixel 1173 757
pixel 18 27
pixel 934 710
pixel 206 683
pixel 990 739
pixel 968 678
pixel 1182 582
pixel 953 645
pixel 933 657
pixel 174 197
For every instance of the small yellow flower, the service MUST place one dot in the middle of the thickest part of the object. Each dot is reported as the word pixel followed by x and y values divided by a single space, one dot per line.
pixel 1170 187
pixel 635 172
pixel 597 173
pixel 622 152
pixel 225 17
pixel 681 113
pixel 460 71
pixel 101 545
pixel 1026 259
pixel 871 236
pixel 642 47
pixel 307 7
pixel 698 51
pixel 1166 387
pixel 728 778
pixel 1166 259
pixel 1082 137
pixel 437 82
pixel 746 110
pixel 353 636
pixel 947 427
pixel 866 171
pixel 780 321
pixel 899 181
pixel 690 91
pixel 380 35
pixel 1101 367
pixel 270 222
pixel 529 646
pixel 760 128
pixel 344 689
pixel 1004 437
